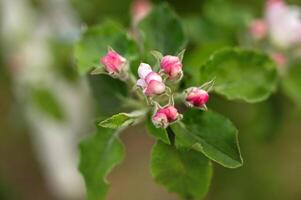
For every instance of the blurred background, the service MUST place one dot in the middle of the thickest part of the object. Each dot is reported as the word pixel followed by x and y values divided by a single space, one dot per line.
pixel 46 107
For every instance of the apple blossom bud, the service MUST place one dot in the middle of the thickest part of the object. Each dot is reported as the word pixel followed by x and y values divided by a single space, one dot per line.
pixel 171 112
pixel 196 97
pixel 140 9
pixel 160 120
pixel 281 62
pixel 154 88
pixel 172 66
pixel 153 76
pixel 143 70
pixel 269 2
pixel 258 29
pixel 279 58
pixel 164 116
pixel 113 62
pixel 151 82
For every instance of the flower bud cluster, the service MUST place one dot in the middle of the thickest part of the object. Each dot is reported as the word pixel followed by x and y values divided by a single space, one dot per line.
pixel 154 84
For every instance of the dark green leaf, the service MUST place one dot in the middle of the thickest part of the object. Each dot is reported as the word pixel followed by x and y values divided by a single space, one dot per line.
pixel 227 15
pixel 241 74
pixel 162 31
pixel 95 41
pixel 107 92
pixel 210 133
pixel 99 153
pixel 185 172
pixel 47 102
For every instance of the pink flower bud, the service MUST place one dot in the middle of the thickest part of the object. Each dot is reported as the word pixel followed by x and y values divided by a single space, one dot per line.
pixel 154 88
pixel 113 62
pixel 151 82
pixel 143 70
pixel 272 2
pixel 140 9
pixel 171 112
pixel 258 29
pixel 160 120
pixel 172 66
pixel 196 97
pixel 153 76
pixel 279 58
pixel 164 116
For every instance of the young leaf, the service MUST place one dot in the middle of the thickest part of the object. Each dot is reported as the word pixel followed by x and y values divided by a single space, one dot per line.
pixel 241 74
pixel 95 41
pixel 122 120
pixel 210 133
pixel 185 172
pixel 292 84
pixel 99 153
pixel 162 31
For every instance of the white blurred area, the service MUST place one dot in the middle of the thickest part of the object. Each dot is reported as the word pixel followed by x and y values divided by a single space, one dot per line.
pixel 26 33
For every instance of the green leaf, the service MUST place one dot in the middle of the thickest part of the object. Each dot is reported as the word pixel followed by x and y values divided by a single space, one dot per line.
pixel 158 133
pixel 185 172
pixel 112 89
pixel 292 84
pixel 198 57
pixel 122 119
pixel 241 74
pixel 210 133
pixel 47 102
pixel 95 41
pixel 162 31
pixel 99 153
pixel 220 12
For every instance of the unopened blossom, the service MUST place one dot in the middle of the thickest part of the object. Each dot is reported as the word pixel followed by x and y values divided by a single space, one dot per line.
pixel 113 62
pixel 150 81
pixel 172 66
pixel 140 9
pixel 279 58
pixel 284 23
pixel 258 29
pixel 196 97
pixel 164 116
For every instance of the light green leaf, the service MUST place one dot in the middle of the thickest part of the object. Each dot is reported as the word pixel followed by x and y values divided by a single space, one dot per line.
pixel 292 84
pixel 95 41
pixel 122 120
pixel 162 31
pixel 185 172
pixel 210 133
pixel 241 74
pixel 99 153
